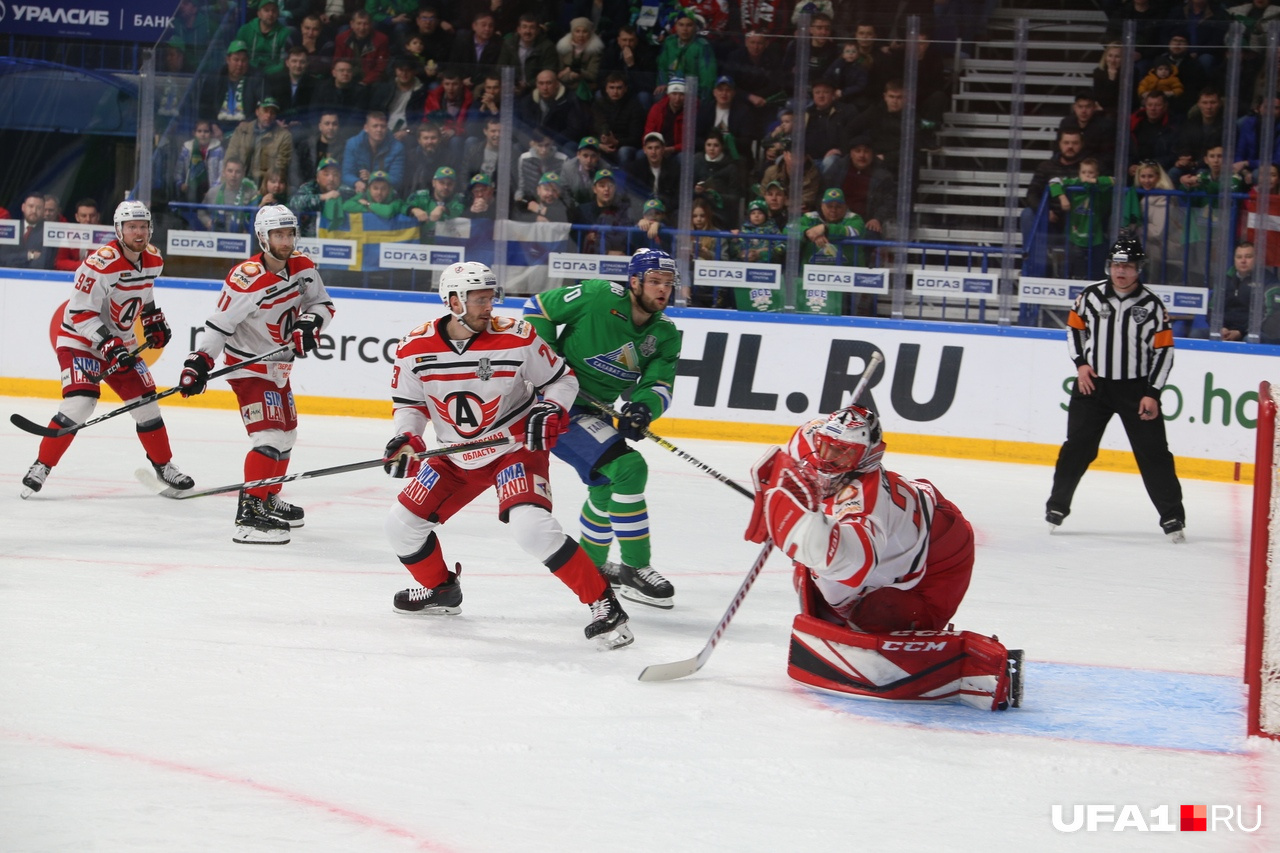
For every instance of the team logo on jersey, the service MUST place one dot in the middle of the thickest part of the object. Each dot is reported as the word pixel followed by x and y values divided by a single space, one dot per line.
pixel 124 313
pixel 273 406
pixel 251 269
pixel 251 414
pixel 107 253
pixel 1140 315
pixel 622 363
pixel 284 329
pixel 541 486
pixel 511 481
pixel 468 413
pixel 485 370
pixel 648 346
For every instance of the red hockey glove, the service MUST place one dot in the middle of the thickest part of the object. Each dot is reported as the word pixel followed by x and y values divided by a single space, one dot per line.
pixel 398 459
pixel 794 496
pixel 306 333
pixel 156 329
pixel 115 356
pixel 544 426
pixel 195 374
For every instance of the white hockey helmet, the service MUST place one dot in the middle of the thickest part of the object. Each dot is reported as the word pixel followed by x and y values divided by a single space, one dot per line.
pixel 131 211
pixel 271 217
pixel 460 279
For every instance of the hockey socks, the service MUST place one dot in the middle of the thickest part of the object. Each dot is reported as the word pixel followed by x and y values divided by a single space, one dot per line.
pixel 427 565
pixel 155 441
pixel 577 571
pixel 259 466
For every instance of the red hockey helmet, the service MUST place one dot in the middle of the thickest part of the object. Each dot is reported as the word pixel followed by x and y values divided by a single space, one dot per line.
pixel 850 441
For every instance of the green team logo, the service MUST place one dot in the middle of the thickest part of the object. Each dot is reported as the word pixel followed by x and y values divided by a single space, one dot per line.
pixel 622 363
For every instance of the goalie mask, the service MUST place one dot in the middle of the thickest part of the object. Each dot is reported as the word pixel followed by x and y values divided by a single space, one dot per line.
pixel 131 211
pixel 849 442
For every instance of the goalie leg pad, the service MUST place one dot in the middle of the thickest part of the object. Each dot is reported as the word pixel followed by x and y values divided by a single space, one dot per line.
pixel 904 666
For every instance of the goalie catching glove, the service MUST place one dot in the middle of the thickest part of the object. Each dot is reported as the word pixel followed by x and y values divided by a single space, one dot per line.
pixel 544 426
pixel 306 333
pixel 398 459
pixel 635 419
pixel 787 497
pixel 195 374
pixel 155 328
pixel 115 356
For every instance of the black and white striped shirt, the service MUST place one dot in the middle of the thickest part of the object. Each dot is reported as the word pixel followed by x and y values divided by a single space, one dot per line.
pixel 1121 337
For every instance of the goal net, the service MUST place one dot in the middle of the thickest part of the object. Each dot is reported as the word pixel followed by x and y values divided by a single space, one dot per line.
pixel 1262 638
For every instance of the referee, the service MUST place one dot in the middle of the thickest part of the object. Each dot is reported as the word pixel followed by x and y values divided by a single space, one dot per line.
pixel 1122 345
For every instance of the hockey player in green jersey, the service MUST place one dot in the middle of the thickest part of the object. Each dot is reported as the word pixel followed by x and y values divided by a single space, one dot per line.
pixel 616 340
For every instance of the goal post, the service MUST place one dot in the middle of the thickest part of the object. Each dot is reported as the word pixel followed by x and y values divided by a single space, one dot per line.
pixel 1262 632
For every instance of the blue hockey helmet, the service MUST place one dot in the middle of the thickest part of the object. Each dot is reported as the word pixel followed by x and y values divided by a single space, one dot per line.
pixel 645 260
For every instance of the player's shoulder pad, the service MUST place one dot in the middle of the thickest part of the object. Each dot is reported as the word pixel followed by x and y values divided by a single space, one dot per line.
pixel 618 288
pixel 299 262
pixel 511 326
pixel 103 258
pixel 247 276
pixel 418 340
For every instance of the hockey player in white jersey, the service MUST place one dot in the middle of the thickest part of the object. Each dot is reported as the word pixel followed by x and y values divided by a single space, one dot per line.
pixel 112 290
pixel 475 376
pixel 882 562
pixel 275 298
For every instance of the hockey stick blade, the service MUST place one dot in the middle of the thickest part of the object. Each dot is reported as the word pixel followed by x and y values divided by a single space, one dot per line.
pixel 34 428
pixel 148 478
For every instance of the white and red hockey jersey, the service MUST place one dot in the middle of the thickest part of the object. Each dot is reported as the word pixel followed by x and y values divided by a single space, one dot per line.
pixel 476 389
pixel 110 292
pixel 877 528
pixel 256 313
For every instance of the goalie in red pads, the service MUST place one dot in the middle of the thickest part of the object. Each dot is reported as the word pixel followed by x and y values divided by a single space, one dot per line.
pixel 882 563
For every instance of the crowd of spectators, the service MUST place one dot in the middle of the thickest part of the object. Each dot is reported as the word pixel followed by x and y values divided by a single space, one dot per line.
pixel 312 98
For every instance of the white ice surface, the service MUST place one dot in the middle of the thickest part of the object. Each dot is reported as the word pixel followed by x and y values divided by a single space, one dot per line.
pixel 163 689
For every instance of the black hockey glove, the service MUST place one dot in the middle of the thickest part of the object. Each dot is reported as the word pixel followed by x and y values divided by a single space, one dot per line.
pixel 156 329
pixel 635 419
pixel 398 459
pixel 115 356
pixel 195 374
pixel 544 426
pixel 306 333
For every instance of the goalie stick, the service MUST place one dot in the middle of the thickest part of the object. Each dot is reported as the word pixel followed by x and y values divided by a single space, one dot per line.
pixel 666 445
pixel 148 479
pixel 48 432
pixel 681 668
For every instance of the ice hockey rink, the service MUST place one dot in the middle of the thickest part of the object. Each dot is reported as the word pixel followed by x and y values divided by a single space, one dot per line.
pixel 163 689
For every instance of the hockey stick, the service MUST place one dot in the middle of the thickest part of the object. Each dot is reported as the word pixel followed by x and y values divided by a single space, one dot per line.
pixel 34 428
pixel 605 408
pixel 681 668
pixel 149 480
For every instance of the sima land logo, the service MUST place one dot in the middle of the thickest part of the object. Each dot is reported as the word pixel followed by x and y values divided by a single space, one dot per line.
pixel 1190 818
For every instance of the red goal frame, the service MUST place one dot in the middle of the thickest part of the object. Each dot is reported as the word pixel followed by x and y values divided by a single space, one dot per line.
pixel 1264 480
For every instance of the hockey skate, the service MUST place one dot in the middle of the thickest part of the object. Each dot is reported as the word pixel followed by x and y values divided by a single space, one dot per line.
pixel 1054 517
pixel 608 626
pixel 34 480
pixel 255 526
pixel 284 511
pixel 1173 528
pixel 172 477
pixel 642 585
pixel 442 600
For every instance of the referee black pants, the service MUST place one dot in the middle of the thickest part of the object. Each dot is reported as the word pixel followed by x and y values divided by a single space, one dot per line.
pixel 1087 418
